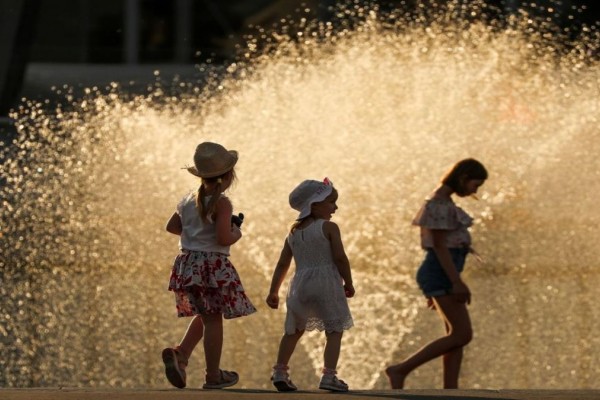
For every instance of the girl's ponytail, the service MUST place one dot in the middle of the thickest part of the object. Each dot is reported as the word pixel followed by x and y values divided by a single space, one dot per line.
pixel 206 212
pixel 200 203
pixel 211 207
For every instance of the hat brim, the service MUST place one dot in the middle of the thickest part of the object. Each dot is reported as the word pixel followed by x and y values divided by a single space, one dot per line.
pixel 194 171
pixel 307 209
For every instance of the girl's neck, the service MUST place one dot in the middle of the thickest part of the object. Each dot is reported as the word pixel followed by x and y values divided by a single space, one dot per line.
pixel 443 192
pixel 306 222
pixel 209 190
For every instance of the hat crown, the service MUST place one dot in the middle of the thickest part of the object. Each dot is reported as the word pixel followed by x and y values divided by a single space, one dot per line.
pixel 212 160
pixel 303 193
pixel 307 193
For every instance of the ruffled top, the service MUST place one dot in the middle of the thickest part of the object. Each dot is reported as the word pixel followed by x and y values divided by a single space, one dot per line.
pixel 443 214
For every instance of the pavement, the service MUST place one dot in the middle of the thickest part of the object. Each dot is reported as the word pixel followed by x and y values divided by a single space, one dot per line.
pixel 250 394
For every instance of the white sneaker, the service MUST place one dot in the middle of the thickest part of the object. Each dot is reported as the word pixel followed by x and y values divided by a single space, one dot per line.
pixel 283 383
pixel 331 382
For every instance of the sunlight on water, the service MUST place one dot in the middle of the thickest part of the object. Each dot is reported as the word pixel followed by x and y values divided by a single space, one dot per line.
pixel 383 111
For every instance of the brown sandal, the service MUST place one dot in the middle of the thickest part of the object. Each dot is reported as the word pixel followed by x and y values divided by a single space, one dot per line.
pixel 227 378
pixel 175 364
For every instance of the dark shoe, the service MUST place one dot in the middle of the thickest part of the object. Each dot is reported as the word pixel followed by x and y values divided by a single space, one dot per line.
pixel 227 378
pixel 175 365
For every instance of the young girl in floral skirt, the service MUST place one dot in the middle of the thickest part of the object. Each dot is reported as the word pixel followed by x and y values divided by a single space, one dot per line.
pixel 207 286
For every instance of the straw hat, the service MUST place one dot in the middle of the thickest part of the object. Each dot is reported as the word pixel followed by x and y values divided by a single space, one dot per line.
pixel 307 193
pixel 212 160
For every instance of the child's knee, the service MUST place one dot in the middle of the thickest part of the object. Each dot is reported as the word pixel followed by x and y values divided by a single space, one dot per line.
pixel 212 319
pixel 462 337
pixel 296 334
pixel 467 337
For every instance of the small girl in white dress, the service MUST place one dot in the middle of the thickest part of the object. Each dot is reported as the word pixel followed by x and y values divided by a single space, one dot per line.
pixel 316 298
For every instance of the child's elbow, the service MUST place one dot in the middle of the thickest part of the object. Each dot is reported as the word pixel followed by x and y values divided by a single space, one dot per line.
pixel 173 230
pixel 341 260
pixel 223 241
pixel 439 247
pixel 226 240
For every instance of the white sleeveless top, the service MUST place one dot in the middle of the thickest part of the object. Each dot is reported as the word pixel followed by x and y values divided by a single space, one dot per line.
pixel 196 235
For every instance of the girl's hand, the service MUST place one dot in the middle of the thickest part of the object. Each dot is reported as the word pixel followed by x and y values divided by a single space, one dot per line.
pixel 273 300
pixel 476 255
pixel 430 304
pixel 461 292
pixel 349 290
pixel 237 232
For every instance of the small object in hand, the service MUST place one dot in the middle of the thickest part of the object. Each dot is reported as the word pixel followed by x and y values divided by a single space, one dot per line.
pixel 237 219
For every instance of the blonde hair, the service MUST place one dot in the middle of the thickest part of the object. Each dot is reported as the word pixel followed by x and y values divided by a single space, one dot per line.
pixel 210 209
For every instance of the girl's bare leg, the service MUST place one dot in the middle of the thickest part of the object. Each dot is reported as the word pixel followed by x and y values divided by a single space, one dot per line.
pixel 213 343
pixel 176 360
pixel 451 365
pixel 332 349
pixel 456 317
pixel 452 362
pixel 192 337
pixel 287 347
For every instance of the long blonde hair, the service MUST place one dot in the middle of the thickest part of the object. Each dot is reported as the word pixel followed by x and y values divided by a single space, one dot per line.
pixel 206 212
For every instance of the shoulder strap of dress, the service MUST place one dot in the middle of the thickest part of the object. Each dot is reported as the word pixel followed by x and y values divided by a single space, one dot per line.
pixel 319 223
pixel 319 227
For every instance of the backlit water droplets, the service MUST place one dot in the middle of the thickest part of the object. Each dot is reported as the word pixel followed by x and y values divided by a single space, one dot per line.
pixel 383 109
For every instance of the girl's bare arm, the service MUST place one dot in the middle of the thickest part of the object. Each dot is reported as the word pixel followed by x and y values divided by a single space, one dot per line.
pixel 174 224
pixel 281 269
pixel 459 288
pixel 332 232
pixel 227 233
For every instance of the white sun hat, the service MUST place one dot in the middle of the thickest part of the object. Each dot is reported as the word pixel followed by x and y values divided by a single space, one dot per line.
pixel 309 192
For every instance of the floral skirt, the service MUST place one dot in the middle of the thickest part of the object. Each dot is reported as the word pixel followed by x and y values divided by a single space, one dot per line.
pixel 207 283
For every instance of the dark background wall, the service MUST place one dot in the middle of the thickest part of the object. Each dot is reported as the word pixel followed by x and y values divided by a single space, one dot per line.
pixel 145 32
pixel 96 31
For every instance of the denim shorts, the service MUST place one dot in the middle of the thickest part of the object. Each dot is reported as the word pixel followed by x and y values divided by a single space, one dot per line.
pixel 432 278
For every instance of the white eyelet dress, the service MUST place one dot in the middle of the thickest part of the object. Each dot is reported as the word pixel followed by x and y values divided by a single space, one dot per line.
pixel 316 298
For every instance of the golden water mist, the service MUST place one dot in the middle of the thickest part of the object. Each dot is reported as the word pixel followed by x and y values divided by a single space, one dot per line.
pixel 381 106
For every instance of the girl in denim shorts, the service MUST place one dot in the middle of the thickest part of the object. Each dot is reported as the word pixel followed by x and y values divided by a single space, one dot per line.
pixel 446 241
